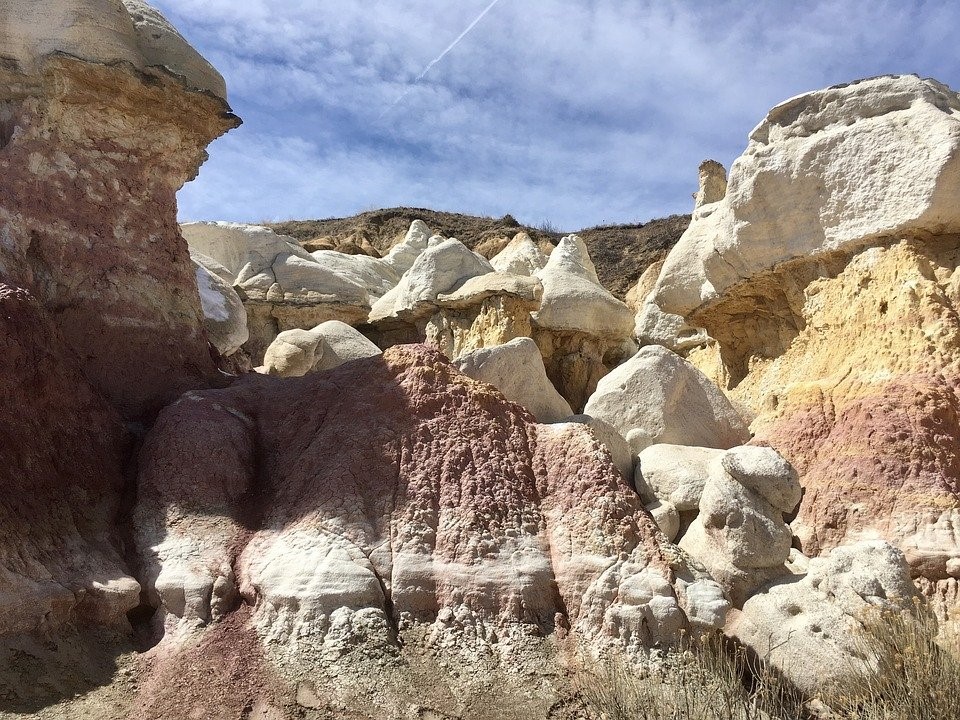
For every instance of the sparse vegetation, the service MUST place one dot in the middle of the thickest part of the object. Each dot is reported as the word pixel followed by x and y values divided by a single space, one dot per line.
pixel 919 677
pixel 709 680
pixel 919 671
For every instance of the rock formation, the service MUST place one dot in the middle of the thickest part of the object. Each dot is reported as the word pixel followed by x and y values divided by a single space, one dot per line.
pixel 713 184
pixel 284 287
pixel 516 369
pixel 402 495
pixel 739 533
pixel 810 626
pixel 61 476
pixel 105 112
pixel 520 256
pixel 827 277
pixel 224 316
pixel 294 353
pixel 658 397
pixel 335 532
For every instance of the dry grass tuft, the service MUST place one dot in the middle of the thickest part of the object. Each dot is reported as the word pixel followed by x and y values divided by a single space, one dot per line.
pixel 912 672
pixel 918 670
pixel 712 680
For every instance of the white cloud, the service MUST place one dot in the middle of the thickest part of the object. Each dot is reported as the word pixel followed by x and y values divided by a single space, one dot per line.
pixel 576 111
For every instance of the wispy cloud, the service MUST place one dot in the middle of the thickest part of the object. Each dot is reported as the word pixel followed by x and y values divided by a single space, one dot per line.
pixel 576 111
pixel 438 58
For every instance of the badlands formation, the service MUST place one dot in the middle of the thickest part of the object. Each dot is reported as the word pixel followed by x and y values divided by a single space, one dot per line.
pixel 248 477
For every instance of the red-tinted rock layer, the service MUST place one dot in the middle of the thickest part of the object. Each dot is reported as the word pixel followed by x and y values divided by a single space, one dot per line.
pixel 60 479
pixel 91 156
pixel 389 491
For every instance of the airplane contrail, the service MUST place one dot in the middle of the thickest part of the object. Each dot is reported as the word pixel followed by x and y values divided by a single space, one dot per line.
pixel 439 57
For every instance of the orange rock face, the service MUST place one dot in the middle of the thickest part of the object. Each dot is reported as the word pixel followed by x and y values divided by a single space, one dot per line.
pixel 852 367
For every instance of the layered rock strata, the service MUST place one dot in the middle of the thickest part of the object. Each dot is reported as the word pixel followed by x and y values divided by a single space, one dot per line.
pixel 105 112
pixel 828 277
pixel 392 494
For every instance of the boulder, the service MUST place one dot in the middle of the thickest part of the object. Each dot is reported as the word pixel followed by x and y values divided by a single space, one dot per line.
pixel 485 311
pixel 292 353
pixel 340 343
pixel 521 256
pixel 658 397
pixel 607 435
pixel 295 353
pixel 80 163
pixel 738 535
pixel 766 472
pixel 574 299
pixel 675 473
pixel 103 32
pixel 826 171
pixel 810 627
pixel 224 316
pixel 517 371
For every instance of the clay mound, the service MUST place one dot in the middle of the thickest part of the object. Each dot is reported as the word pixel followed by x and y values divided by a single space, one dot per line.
pixel 353 504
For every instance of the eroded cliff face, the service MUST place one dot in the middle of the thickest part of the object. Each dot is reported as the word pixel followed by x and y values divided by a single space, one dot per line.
pixel 96 137
pixel 838 331
pixel 391 502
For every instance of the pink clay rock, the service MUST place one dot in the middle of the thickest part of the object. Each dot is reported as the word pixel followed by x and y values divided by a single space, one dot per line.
pixel 97 136
pixel 390 491
pixel 62 447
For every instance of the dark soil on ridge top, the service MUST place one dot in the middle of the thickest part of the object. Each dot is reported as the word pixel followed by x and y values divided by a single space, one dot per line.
pixel 620 252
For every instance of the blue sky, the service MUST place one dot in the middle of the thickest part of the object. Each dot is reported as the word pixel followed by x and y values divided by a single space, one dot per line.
pixel 572 112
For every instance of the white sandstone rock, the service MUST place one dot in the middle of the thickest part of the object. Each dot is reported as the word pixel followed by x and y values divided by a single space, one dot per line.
pixel 824 171
pixel 656 327
pixel 438 269
pixel 666 517
pixel 247 249
pixel 328 345
pixel 738 536
pixel 401 256
pixel 521 256
pixel 160 44
pixel 607 435
pixel 767 472
pixel 340 343
pixel 516 369
pixel 704 602
pixel 103 31
pixel 274 269
pixel 677 473
pixel 477 289
pixel 373 274
pixel 809 627
pixel 293 353
pixel 574 299
pixel 224 317
pixel 658 397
